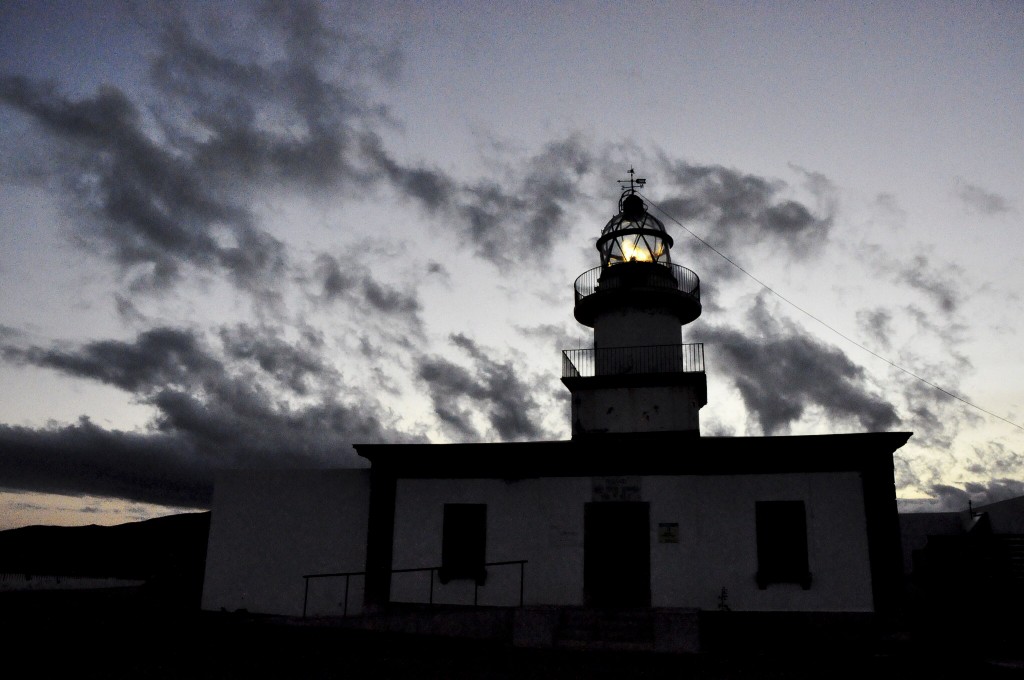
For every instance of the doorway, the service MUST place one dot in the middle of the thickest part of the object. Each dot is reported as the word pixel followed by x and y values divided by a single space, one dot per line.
pixel 617 554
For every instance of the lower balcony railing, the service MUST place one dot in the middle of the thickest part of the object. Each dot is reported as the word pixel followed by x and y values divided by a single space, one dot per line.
pixel 433 576
pixel 587 363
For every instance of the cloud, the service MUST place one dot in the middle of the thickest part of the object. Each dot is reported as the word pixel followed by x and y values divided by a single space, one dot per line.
pixel 83 459
pixel 745 209
pixel 490 391
pixel 253 400
pixel 355 286
pixel 978 200
pixel 950 498
pixel 781 373
pixel 152 212
pixel 941 285
pixel 877 323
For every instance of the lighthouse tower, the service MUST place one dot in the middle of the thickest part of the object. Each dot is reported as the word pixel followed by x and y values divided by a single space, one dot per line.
pixel 639 376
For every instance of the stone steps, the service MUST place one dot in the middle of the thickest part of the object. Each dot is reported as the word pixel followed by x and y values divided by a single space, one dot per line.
pixel 625 629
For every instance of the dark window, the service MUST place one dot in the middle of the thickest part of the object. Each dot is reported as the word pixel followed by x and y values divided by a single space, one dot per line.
pixel 464 542
pixel 782 544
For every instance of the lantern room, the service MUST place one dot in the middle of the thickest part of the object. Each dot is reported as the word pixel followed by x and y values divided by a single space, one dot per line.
pixel 634 235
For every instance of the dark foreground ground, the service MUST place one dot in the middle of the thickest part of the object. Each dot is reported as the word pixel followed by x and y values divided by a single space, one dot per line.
pixel 127 633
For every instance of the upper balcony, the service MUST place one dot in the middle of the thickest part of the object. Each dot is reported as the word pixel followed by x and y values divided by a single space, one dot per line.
pixel 633 283
pixel 649 360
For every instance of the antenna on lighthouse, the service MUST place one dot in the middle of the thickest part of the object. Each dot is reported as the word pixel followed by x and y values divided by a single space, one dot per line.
pixel 634 182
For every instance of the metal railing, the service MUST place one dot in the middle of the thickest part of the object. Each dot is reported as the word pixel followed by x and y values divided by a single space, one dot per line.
pixel 430 599
pixel 681 279
pixel 587 363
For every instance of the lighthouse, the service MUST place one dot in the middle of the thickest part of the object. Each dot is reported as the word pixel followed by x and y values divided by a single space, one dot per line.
pixel 639 376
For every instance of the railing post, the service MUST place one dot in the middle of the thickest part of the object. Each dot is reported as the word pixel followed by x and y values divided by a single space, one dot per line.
pixel 431 587
pixel 522 570
pixel 345 612
pixel 305 597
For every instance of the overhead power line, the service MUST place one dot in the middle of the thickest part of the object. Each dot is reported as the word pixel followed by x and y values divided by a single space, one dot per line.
pixel 823 323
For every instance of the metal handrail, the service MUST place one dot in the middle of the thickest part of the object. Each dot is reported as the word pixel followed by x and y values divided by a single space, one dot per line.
pixel 639 360
pixel 682 279
pixel 349 574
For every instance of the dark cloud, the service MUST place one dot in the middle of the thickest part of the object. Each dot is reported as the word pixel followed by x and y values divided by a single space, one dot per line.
pixel 979 200
pixel 745 209
pixel 232 405
pixel 168 185
pixel 950 498
pixel 353 284
pixel 940 284
pixel 781 372
pixel 518 219
pixel 295 365
pixel 491 390
pixel 152 212
pixel 877 324
pixel 995 460
pixel 84 459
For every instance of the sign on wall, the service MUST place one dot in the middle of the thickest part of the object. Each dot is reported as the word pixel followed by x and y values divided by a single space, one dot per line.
pixel 616 489
pixel 668 532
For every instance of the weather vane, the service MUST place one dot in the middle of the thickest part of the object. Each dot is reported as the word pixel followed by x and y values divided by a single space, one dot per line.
pixel 634 182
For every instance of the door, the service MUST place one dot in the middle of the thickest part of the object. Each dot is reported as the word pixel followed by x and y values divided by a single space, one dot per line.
pixel 617 554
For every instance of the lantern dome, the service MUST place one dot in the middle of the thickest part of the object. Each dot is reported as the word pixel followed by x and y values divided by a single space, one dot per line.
pixel 634 235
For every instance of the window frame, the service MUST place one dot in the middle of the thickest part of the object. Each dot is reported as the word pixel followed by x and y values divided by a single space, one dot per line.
pixel 464 543
pixel 782 546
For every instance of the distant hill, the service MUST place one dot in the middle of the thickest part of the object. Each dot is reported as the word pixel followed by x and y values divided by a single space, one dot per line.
pixel 168 553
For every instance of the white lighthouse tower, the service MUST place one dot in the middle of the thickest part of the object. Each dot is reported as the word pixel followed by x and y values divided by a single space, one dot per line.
pixel 639 376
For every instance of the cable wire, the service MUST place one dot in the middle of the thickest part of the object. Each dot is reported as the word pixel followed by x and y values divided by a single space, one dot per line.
pixel 812 316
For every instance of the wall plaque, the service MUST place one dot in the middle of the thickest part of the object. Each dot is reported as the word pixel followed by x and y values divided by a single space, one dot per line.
pixel 616 489
pixel 668 532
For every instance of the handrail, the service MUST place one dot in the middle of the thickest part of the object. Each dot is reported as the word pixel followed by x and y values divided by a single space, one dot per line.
pixel 349 574
pixel 677 278
pixel 639 360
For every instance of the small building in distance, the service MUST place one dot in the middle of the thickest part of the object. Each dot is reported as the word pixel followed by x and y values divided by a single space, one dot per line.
pixel 636 532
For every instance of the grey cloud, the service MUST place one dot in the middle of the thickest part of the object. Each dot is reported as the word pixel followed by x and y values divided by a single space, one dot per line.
pixel 745 209
pixel 950 498
pixel 781 372
pixel 516 221
pixel 994 490
pixel 942 285
pixel 152 208
pixel 158 357
pixel 995 460
pixel 293 364
pixel 877 323
pixel 979 200
pixel 214 408
pixel 84 459
pixel 354 284
pixel 492 389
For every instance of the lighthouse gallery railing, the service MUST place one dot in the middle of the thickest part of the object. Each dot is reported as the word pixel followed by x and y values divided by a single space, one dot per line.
pixel 586 363
pixel 682 279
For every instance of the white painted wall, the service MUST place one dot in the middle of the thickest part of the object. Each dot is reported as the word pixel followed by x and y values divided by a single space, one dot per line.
pixel 532 519
pixel 634 325
pixel 269 528
pixel 636 409
pixel 718 542
pixel 541 520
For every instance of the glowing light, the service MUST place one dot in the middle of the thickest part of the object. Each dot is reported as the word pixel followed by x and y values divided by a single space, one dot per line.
pixel 639 251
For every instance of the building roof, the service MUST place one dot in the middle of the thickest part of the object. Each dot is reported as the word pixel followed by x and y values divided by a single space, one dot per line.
pixel 657 453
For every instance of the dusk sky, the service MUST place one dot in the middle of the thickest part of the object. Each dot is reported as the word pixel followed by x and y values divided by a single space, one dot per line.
pixel 251 235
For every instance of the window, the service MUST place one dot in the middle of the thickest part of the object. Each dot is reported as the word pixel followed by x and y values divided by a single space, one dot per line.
pixel 464 542
pixel 782 544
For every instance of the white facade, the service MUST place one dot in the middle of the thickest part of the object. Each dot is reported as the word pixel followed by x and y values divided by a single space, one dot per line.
pixel 665 408
pixel 714 539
